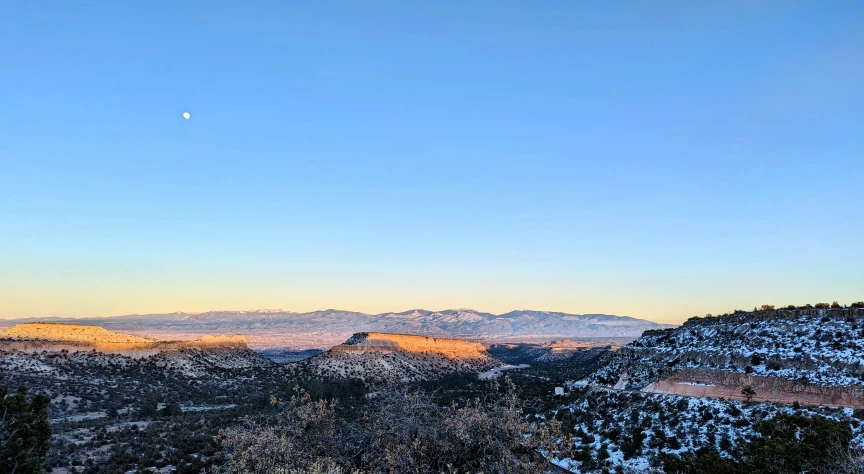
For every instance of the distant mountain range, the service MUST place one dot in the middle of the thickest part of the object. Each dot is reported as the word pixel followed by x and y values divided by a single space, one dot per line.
pixel 326 328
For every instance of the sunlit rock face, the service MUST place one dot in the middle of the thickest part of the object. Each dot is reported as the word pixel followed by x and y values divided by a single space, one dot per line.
pixel 385 357
pixel 383 342
pixel 54 337
pixel 71 333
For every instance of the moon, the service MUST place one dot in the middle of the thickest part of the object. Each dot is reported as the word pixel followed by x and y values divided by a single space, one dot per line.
pixel 187 115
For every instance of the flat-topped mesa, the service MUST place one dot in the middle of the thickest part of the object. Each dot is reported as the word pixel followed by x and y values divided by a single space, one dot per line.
pixel 56 337
pixel 388 357
pixel 71 333
pixel 364 342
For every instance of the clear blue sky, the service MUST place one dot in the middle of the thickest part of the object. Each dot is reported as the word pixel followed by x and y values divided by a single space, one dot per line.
pixel 655 159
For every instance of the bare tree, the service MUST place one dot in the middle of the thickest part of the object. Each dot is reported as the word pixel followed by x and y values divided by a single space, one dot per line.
pixel 398 431
pixel 843 461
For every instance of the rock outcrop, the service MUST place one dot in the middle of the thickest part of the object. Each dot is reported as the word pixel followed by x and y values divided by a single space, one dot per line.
pixel 383 342
pixel 725 384
pixel 71 333
pixel 384 357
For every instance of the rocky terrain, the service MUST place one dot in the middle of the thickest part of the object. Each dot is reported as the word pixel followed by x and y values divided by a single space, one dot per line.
pixel 23 347
pixel 277 329
pixel 386 357
pixel 638 432
pixel 677 397
pixel 71 333
pixel 807 354
pixel 668 397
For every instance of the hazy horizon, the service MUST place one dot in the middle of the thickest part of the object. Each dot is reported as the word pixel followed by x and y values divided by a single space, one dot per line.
pixel 324 309
pixel 282 310
pixel 655 160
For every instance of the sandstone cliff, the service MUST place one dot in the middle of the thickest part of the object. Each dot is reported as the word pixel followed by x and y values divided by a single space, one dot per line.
pixel 55 337
pixel 399 357
pixel 811 355
pixel 71 333
pixel 714 383
pixel 383 342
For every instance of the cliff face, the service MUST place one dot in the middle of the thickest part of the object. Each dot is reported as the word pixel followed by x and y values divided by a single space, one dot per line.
pixel 812 355
pixel 71 333
pixel 383 342
pixel 714 383
pixel 51 337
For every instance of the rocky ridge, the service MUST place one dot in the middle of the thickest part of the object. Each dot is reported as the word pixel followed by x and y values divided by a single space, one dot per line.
pixel 382 357
pixel 71 333
pixel 382 342
pixel 58 337
pixel 811 355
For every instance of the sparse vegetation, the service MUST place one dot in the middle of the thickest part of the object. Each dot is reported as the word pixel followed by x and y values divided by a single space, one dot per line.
pixel 24 431
pixel 398 431
pixel 113 414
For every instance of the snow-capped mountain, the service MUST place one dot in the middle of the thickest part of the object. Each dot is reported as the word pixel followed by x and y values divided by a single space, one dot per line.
pixel 326 328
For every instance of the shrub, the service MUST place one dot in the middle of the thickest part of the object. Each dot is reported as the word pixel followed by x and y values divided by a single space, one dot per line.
pixel 835 305
pixel 400 431
pixel 821 305
pixel 767 307
pixel 702 461
pixel 857 304
pixel 785 444
pixel 796 443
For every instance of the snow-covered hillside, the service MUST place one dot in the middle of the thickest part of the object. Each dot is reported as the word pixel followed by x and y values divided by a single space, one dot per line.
pixel 632 430
pixel 808 346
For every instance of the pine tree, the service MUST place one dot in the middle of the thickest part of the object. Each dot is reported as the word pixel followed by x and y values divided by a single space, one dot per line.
pixel 24 431
pixel 748 393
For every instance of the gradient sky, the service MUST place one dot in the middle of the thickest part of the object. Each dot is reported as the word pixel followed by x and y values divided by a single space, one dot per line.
pixel 653 159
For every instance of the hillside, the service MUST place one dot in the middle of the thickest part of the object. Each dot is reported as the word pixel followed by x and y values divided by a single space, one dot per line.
pixel 811 355
pixel 639 432
pixel 71 333
pixel 674 396
pixel 398 357
pixel 277 329
pixel 552 351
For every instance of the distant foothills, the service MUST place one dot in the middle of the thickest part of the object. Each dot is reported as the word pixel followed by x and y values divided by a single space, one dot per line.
pixel 275 328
